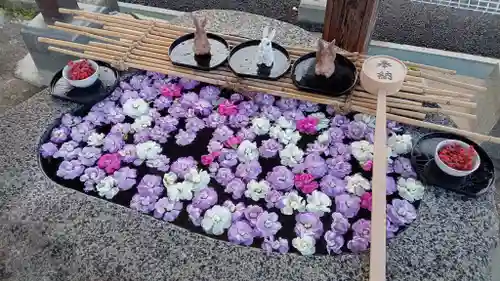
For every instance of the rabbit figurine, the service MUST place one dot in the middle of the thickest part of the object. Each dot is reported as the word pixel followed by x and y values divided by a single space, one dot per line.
pixel 265 52
pixel 201 44
pixel 325 58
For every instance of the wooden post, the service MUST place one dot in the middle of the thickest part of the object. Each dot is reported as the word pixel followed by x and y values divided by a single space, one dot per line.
pixel 50 9
pixel 350 22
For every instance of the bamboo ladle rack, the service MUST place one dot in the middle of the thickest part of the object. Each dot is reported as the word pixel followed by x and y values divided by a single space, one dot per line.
pixel 126 42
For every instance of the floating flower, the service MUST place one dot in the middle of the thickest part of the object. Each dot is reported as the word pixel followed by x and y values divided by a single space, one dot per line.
pixel 228 158
pixel 391 185
pixel 252 213
pixel 317 148
pixel 362 151
pixel 96 139
pixel 222 134
pixel 257 190
pixel 150 185
pixel 403 166
pixel 332 185
pixel 180 191
pixel 281 178
pixel 91 177
pixel 148 150
pixel 237 210
pixel 214 146
pixel 323 121
pixel 270 112
pixel 334 242
pixel 367 166
pixel 188 100
pixel 272 198
pixel 287 104
pixel 246 134
pixel 113 143
pixel 188 84
pixel 291 202
pixel 60 134
pixel 241 233
pixel 238 120
pixel 136 108
pixel 369 120
pixel 308 224
pixel 81 132
pixel 366 201
pixel 70 169
pixel 159 134
pixel 362 228
pixel 171 91
pixel 336 134
pixel 248 171
pixel 207 159
pixel 236 187
pixel 48 149
pixel 199 178
pixel 233 142
pixel 357 184
pixel 125 178
pixel 184 138
pixel 318 202
pixel 194 215
pixel 205 198
pixel 347 205
pixel 340 121
pixel 291 155
pixel 227 108
pixel 107 187
pixel 269 148
pixel 340 149
pixel 210 93
pixel 340 224
pixel 338 167
pixel 305 183
pixel 167 210
pixel 167 123
pixel 358 244
pixel 261 125
pixel 216 220
pixel 306 245
pixel 141 123
pixel 224 176
pixel 143 203
pixel 307 125
pixel 324 138
pixel 401 212
pixel 88 156
pixel 248 108
pixel 68 150
pixel 315 165
pixel 264 99
pixel 267 224
pixel 142 136
pixel 247 151
pixel 109 162
pixel 271 244
pixel 215 120
pixel 400 144
pixel 162 102
pixel 161 163
pixel 69 120
pixel 410 189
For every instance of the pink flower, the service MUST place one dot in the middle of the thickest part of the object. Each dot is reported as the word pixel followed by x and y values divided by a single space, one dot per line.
pixel 109 162
pixel 305 182
pixel 215 154
pixel 171 91
pixel 233 141
pixel 366 201
pixel 207 159
pixel 307 125
pixel 227 108
pixel 309 187
pixel 368 165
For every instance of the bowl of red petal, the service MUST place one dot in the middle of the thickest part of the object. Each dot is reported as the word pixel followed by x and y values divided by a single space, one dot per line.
pixel 456 158
pixel 81 73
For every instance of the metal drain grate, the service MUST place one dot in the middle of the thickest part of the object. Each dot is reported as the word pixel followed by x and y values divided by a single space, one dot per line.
pixel 485 6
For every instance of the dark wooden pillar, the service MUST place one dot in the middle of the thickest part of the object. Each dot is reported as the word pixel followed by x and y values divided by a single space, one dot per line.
pixel 50 9
pixel 350 22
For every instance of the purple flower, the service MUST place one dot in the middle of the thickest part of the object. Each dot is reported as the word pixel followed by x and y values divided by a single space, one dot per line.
pixel 236 187
pixel 69 120
pixel 356 130
pixel 224 176
pixel 241 233
pixel 338 167
pixel 184 138
pixel 215 120
pixel 142 136
pixel 113 143
pixel 308 224
pixel 69 170
pixel 362 228
pixel 159 134
pixel 236 210
pixel 143 203
pixel 188 84
pixel 252 213
pixel 340 149
pixel 59 134
pixel 317 148
pixel 308 106
pixel 391 186
pixel 238 120
pixel 205 198
pixel 148 93
pixel 281 178
pixel 202 107
pixel 48 149
pixel 401 212
pixel 91 177
pixel 287 104
pixel 293 115
pixel 127 95
pixel 246 134
pixel 391 229
pixel 160 163
pixel 272 198
pixel 128 153
pixel 228 158
pixel 210 93
pixel 81 131
pixel 150 185
pixel 114 115
pixel 264 99
pixel 403 166
pixel 222 134
pixel 248 171
pixel 214 146
pixel 167 123
pixel 194 124
pixel 280 245
pixel 340 121
pixel 358 244
pixel 315 165
pixel 370 134
pixel 182 166
pixel 236 97
pixel 269 148
pixel 248 108
pixel 188 99
pixel 334 242
pixel 340 224
pixel 336 134
pixel 89 155
pixel 194 215
pixel 332 186
pixel 213 168
pixel 347 205
pixel 97 118
pixel 136 81
pixel 270 112
pixel 68 150
pixel 125 178
pixel 176 110
pixel 167 210
pixel 162 102
pixel 120 129
pixel 155 75
pixel 267 224
pixel 330 110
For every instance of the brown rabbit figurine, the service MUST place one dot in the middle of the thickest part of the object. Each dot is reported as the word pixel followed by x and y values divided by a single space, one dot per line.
pixel 325 58
pixel 201 44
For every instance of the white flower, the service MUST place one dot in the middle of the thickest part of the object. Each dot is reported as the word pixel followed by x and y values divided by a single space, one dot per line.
pixel 324 138
pixel 362 151
pixel 199 179
pixel 275 132
pixel 305 245
pixel 318 202
pixel 369 120
pixel 400 144
pixel 216 220
pixel 257 190
pixel 96 139
pixel 169 179
pixel 180 191
pixel 141 123
pixel 291 155
pixel 135 108
pixel 247 151
pixel 148 150
pixel 289 136
pixel 357 184
pixel 292 201
pixel 285 123
pixel 323 121
pixel 410 189
pixel 261 125
pixel 107 187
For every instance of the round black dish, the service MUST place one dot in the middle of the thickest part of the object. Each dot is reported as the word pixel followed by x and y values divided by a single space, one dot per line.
pixel 243 61
pixel 473 185
pixel 181 52
pixel 105 85
pixel 340 83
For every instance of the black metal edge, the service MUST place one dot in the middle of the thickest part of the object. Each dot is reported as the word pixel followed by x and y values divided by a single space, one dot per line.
pixel 253 43
pixel 311 90
pixel 482 154
pixel 188 36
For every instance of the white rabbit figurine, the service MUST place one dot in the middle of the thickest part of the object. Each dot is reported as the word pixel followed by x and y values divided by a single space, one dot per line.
pixel 266 54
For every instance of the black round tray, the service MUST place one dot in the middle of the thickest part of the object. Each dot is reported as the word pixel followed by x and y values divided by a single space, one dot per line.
pixel 473 185
pixel 105 85
pixel 243 61
pixel 340 83
pixel 181 52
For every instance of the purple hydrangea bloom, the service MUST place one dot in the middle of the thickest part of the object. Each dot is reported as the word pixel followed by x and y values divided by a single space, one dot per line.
pixel 142 136
pixel 270 112
pixel 403 166
pixel 401 212
pixel 317 148
pixel 120 129
pixel 59 134
pixel 113 143
pixel 167 123
pixel 97 118
pixel 188 84
pixel 391 229
pixel 202 107
pixel 269 148
pixel 340 121
pixel 246 134
pixel 69 170
pixel 188 100
pixel 236 97
pixel 308 106
pixel 148 93
pixel 330 110
pixel 281 178
pixel 158 134
pixel 182 166
pixel 82 131
pixel 213 168
pixel 248 171
pixel 272 198
pixel 128 153
pixel 205 198
pixel 336 134
pixel 356 130
pixel 194 124
pixel 115 95
pixel 184 138
pixel 315 165
pixel 91 177
pixel 362 228
pixel 48 149
pixel 125 86
pixel 347 205
pixel 264 99
pixel 236 187
pixel 114 115
pixel 332 185
pixel 194 215
pixel 287 104
pixel 167 210
pixel 338 167
pixel 308 224
pixel 340 224
pixel 280 245
pixel 136 81
pixel 237 211
pixel 89 155
pixel 334 242
pixel 222 133
pixel 370 134
pixel 155 75
pixel 176 110
pixel 241 233
pixel 228 158
pixel 358 244
pixel 238 120
pixel 248 108
pixel 161 163
pixel 267 224
pixel 340 149
pixel 150 185
pixel 68 150
pixel 210 93
pixel 162 102
pixel 69 120
pixel 252 213
pixel 224 176
pixel 143 203
pixel 293 115
pixel 125 178
pixel 391 186
pixel 214 146
pixel 215 119
pixel 127 95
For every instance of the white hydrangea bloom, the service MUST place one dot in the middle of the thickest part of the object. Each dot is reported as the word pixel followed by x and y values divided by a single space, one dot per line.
pixel 291 155
pixel 169 179
pixel 357 184
pixel 148 150
pixel 323 121
pixel 285 123
pixel 96 139
pixel 107 187
pixel 306 245
pixel 400 144
pixel 410 189
pixel 199 179
pixel 289 136
pixel 369 120
pixel 324 138
pixel 247 151
pixel 216 220
pixel 261 125
pixel 257 190
pixel 180 191
pixel 362 151
pixel 318 202
pixel 292 201
pixel 141 123
pixel 136 108
pixel 275 132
